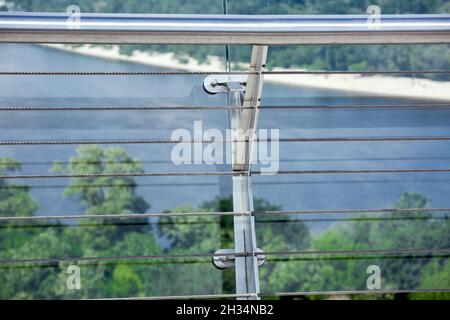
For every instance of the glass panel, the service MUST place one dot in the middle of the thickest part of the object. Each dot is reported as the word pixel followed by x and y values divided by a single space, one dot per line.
pixel 156 242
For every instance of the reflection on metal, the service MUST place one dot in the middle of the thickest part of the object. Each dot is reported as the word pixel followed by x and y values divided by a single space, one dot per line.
pixel 243 92
pixel 225 258
pixel 245 121
pixel 223 29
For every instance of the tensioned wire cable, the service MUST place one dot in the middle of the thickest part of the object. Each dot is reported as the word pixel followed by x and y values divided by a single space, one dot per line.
pixel 284 172
pixel 140 184
pixel 294 160
pixel 119 174
pixel 113 222
pixel 202 260
pixel 359 106
pixel 319 72
pixel 288 254
pixel 201 222
pixel 199 214
pixel 172 141
pixel 120 108
pixel 174 73
pixel 110 185
pixel 353 292
pixel 186 297
pixel 263 107
pixel 212 173
pixel 121 73
pixel 408 251
pixel 207 260
pixel 283 294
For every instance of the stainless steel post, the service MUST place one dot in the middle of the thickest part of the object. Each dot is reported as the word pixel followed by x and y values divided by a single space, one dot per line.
pixel 243 124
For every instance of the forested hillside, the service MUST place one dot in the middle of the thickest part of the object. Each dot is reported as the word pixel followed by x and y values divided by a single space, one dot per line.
pixel 27 278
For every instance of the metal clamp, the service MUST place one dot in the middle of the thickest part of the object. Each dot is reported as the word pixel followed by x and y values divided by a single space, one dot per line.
pixel 226 258
pixel 221 83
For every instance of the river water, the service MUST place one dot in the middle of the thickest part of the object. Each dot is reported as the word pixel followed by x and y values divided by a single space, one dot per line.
pixel 292 192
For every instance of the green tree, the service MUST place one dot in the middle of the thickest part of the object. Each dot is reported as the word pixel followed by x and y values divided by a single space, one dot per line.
pixel 390 231
pixel 15 201
pixel 208 234
pixel 436 275
pixel 90 238
pixel 111 237
pixel 106 194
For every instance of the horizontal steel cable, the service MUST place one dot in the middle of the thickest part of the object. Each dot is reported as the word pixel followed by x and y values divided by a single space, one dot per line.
pixel 283 172
pixel 122 216
pixel 93 162
pixel 181 73
pixel 118 108
pixel 352 219
pixel 182 214
pixel 180 184
pixel 284 294
pixel 126 141
pixel 361 106
pixel 171 141
pixel 116 222
pixel 211 173
pixel 287 72
pixel 387 210
pixel 176 108
pixel 120 73
pixel 357 252
pixel 362 139
pixel 81 260
pixel 353 292
pixel 108 185
pixel 187 297
pixel 119 174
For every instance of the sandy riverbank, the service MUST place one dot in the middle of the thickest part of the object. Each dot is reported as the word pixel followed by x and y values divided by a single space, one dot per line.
pixel 378 85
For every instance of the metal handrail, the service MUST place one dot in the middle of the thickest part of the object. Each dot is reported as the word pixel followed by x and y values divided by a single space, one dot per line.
pixel 220 29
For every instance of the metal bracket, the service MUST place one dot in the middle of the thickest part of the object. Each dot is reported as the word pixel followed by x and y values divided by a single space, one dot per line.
pixel 243 91
pixel 226 258
pixel 218 83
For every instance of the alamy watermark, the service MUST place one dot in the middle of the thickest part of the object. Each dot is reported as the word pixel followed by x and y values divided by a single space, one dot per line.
pixel 212 146
pixel 74 279
pixel 374 19
pixel 74 19
pixel 374 280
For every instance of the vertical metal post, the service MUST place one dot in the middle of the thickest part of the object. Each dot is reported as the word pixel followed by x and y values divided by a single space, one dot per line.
pixel 245 121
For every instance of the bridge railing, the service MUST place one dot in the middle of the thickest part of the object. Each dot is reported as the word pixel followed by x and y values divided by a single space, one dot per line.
pixel 244 106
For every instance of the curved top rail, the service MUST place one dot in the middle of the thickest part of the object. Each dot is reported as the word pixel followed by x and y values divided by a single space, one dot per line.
pixel 221 29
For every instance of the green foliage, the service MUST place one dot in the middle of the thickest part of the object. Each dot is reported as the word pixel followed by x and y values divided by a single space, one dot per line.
pixel 407 230
pixel 14 201
pixel 436 275
pixel 107 237
pixel 206 234
pixel 99 237
pixel 106 195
